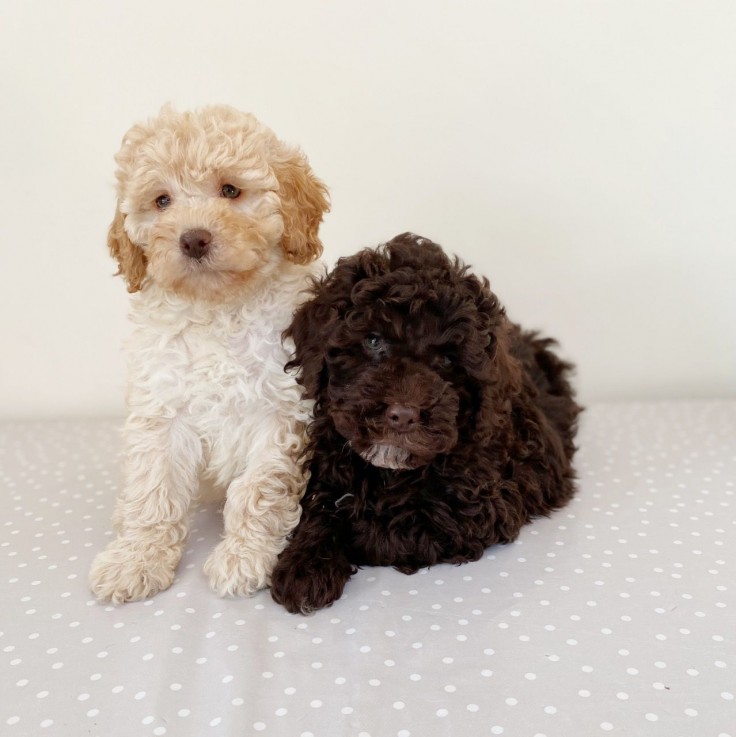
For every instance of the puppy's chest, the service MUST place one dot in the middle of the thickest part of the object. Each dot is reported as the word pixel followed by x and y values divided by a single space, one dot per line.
pixel 425 501
pixel 235 355
pixel 214 366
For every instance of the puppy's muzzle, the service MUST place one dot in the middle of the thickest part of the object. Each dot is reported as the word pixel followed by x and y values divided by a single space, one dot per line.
pixel 195 243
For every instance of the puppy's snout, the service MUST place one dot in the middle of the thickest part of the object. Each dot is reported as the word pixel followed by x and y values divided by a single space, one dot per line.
pixel 195 243
pixel 401 417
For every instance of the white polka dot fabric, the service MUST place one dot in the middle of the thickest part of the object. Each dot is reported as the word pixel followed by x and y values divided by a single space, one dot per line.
pixel 617 615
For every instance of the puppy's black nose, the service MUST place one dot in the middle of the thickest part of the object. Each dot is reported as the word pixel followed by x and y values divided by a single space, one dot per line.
pixel 402 418
pixel 195 243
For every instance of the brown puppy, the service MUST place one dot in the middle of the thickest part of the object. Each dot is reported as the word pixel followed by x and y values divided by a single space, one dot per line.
pixel 440 426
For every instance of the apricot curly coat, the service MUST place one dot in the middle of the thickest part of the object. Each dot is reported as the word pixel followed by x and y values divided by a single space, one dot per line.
pixel 440 426
pixel 216 235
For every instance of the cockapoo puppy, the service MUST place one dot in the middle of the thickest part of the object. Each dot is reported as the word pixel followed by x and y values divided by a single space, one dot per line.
pixel 216 234
pixel 440 426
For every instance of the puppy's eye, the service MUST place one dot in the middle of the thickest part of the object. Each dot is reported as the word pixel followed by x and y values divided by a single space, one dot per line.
pixel 374 342
pixel 163 201
pixel 444 361
pixel 230 191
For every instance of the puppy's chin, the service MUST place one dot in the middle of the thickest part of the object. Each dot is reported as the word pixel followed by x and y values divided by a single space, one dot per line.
pixel 213 285
pixel 388 456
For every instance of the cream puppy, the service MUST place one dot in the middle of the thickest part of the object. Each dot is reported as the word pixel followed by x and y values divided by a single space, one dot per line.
pixel 216 234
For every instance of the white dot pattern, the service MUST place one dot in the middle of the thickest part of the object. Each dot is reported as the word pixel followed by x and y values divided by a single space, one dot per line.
pixel 615 615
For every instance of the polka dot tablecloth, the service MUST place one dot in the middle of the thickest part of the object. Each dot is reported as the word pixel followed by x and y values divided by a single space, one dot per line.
pixel 617 615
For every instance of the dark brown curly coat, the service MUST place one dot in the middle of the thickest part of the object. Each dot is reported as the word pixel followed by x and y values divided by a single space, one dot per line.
pixel 440 426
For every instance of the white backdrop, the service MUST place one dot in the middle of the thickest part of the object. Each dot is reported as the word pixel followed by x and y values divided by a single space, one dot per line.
pixel 580 154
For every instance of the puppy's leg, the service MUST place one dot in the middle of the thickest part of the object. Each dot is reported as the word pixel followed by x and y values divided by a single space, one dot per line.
pixel 312 571
pixel 151 516
pixel 261 509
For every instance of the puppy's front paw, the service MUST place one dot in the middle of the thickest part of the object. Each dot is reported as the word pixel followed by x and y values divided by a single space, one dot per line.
pixel 129 571
pixel 309 584
pixel 235 569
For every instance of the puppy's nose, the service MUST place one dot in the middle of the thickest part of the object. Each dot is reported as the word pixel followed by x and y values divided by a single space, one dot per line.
pixel 402 418
pixel 195 243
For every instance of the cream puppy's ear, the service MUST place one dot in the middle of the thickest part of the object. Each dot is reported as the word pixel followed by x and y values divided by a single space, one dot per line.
pixel 304 199
pixel 131 259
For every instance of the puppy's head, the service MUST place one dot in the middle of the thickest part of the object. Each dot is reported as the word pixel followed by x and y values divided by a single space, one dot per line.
pixel 208 200
pixel 398 346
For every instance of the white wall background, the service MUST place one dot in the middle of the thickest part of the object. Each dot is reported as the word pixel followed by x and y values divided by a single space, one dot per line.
pixel 581 153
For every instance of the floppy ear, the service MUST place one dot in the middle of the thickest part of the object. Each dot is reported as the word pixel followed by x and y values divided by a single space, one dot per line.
pixel 309 330
pixel 490 362
pixel 494 398
pixel 304 199
pixel 316 324
pixel 131 259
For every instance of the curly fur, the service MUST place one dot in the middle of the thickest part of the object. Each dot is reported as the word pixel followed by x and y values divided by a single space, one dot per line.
pixel 403 329
pixel 207 393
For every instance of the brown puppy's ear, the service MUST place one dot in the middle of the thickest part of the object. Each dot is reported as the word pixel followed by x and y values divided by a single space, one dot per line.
pixel 304 199
pixel 309 330
pixel 131 259
pixel 488 358
pixel 315 327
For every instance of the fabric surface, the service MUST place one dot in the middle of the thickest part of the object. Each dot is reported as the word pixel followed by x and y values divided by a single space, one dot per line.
pixel 614 616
